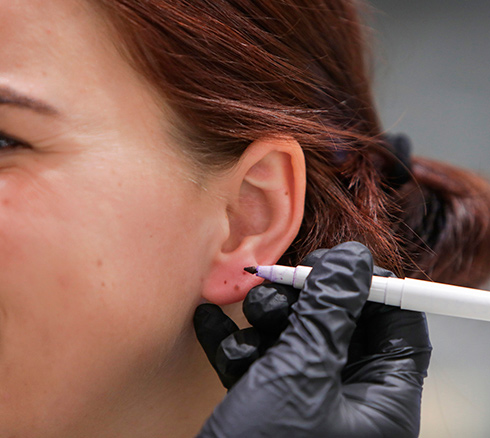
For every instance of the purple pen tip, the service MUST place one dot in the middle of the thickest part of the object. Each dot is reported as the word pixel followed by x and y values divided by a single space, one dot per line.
pixel 250 269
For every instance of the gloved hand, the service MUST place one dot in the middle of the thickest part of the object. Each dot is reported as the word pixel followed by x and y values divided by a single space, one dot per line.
pixel 333 372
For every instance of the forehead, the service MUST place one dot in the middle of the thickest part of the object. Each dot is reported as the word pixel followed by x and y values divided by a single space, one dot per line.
pixel 64 52
pixel 49 47
pixel 37 30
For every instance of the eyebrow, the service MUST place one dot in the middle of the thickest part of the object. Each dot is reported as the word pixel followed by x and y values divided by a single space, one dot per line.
pixel 9 96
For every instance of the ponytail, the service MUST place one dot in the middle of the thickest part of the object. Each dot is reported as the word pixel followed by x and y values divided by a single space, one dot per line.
pixel 444 224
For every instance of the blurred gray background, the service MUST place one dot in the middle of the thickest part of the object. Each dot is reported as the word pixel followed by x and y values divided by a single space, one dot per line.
pixel 432 82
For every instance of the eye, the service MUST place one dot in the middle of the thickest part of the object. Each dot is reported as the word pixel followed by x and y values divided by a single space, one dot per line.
pixel 7 142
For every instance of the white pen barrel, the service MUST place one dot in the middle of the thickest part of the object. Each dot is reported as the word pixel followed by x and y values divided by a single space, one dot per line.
pixel 408 293
pixel 446 299
pixel 285 274
pixel 426 296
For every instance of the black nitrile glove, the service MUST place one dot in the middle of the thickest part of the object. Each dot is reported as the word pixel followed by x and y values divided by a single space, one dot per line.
pixel 323 377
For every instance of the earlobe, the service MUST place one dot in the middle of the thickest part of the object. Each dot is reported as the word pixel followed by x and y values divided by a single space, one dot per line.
pixel 264 197
pixel 227 282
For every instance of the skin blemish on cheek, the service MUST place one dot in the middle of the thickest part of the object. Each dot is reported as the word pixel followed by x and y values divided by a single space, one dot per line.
pixel 64 282
pixel 286 193
pixel 99 263
pixel 237 288
pixel 6 202
pixel 225 282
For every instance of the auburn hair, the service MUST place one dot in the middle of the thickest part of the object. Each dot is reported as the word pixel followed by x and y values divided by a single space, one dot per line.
pixel 233 71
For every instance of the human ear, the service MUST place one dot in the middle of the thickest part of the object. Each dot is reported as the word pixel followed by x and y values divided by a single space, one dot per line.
pixel 262 206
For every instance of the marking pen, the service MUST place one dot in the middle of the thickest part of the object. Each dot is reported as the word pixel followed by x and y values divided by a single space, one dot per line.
pixel 408 293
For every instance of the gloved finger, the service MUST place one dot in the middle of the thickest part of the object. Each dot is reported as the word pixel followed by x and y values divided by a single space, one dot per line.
pixel 385 324
pixel 324 317
pixel 394 334
pixel 313 257
pixel 340 281
pixel 397 359
pixel 379 325
pixel 389 334
pixel 382 272
pixel 267 307
pixel 360 341
pixel 212 326
pixel 389 355
pixel 393 362
pixel 229 350
pixel 236 353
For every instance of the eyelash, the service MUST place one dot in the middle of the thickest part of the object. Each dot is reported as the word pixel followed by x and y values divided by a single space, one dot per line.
pixel 7 142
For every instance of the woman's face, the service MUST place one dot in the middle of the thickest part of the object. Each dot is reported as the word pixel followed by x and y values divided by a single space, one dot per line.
pixel 103 233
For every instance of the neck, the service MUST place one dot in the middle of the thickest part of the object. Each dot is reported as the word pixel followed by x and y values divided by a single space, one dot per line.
pixel 184 397
pixel 198 390
pixel 172 399
pixel 178 399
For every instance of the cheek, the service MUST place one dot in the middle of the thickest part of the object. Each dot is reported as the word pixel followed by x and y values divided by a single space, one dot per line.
pixel 97 270
pixel 112 241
